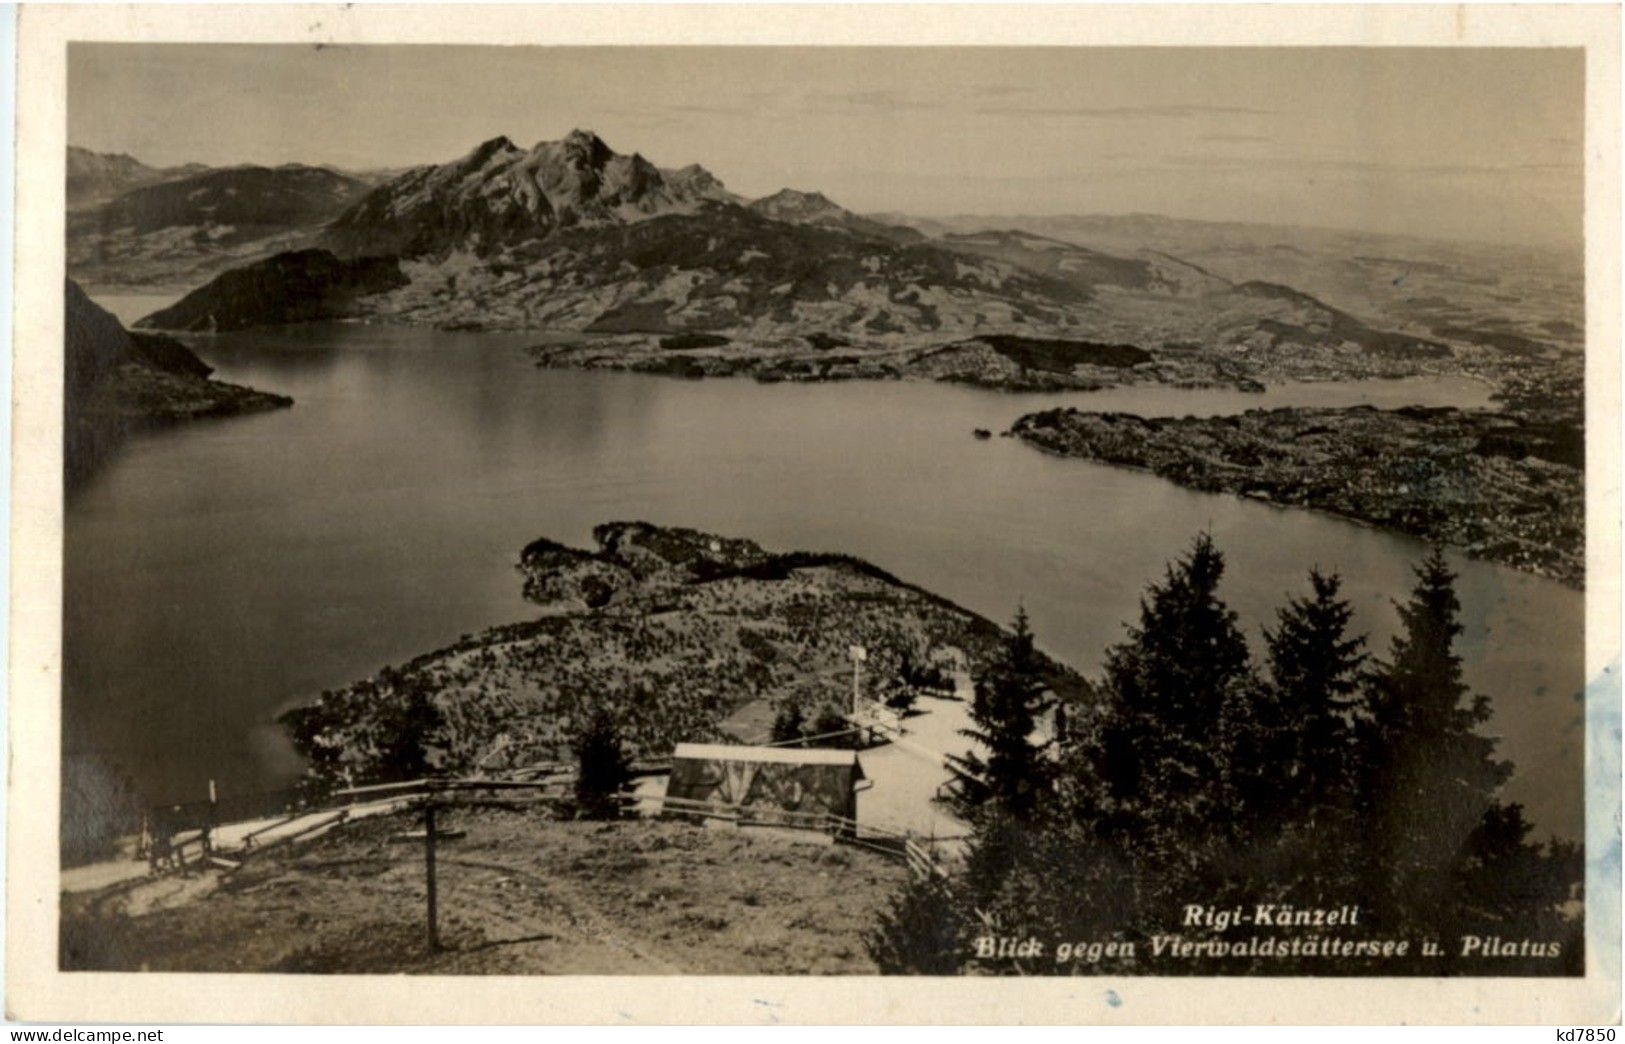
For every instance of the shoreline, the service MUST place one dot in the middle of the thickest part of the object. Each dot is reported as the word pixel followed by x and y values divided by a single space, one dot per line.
pixel 1037 357
pixel 976 360
pixel 1153 446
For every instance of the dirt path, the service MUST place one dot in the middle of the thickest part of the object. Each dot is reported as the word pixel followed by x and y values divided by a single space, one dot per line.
pixel 560 910
pixel 229 839
pixel 907 772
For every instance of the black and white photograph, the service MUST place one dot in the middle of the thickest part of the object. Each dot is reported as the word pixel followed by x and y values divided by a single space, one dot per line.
pixel 663 510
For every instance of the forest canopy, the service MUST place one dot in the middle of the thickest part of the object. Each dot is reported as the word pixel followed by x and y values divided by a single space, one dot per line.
pixel 1318 810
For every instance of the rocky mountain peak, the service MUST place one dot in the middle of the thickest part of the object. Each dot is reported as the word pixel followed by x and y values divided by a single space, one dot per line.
pixel 694 180
pixel 581 149
pixel 796 207
pixel 80 158
pixel 585 137
pixel 498 147
pixel 500 194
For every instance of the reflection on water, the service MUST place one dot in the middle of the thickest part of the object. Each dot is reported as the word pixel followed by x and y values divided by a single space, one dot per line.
pixel 219 572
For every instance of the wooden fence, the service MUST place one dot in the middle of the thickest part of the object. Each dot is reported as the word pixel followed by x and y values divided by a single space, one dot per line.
pixel 341 804
pixel 893 843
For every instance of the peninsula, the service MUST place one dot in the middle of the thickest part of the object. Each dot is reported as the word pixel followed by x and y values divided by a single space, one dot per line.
pixel 118 381
pixel 681 635
pixel 1499 485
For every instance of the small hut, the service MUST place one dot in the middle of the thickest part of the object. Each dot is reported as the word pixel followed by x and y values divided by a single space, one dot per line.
pixel 767 784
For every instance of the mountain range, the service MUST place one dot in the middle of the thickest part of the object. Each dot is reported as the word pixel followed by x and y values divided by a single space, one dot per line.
pixel 795 207
pixel 97 177
pixel 1524 297
pixel 573 235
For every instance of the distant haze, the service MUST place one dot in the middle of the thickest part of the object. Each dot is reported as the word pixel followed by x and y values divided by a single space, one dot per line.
pixel 1447 143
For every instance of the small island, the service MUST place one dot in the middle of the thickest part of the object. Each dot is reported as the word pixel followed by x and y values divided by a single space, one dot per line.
pixel 1502 486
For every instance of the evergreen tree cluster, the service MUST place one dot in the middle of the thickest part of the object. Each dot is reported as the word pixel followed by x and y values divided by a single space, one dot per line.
pixel 829 727
pixel 603 767
pixel 1320 777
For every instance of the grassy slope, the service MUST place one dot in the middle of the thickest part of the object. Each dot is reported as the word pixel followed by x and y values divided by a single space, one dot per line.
pixel 519 894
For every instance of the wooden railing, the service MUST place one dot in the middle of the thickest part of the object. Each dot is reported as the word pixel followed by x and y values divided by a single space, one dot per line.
pixel 894 843
pixel 188 834
pixel 342 803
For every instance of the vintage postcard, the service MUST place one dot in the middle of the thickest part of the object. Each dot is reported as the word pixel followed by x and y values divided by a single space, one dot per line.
pixel 603 506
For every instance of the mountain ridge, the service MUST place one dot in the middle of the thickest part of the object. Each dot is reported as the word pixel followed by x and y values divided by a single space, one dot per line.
pixel 187 228
pixel 286 196
pixel 799 207
pixel 570 234
pixel 96 177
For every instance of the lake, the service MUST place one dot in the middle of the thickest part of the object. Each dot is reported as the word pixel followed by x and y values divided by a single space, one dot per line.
pixel 218 573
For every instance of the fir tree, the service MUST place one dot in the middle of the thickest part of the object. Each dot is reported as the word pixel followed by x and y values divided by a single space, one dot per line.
pixel 603 767
pixel 1304 767
pixel 789 723
pixel 1429 777
pixel 1169 691
pixel 922 932
pixel 1383 790
pixel 836 729
pixel 408 722
pixel 1010 771
pixel 1444 850
pixel 1506 885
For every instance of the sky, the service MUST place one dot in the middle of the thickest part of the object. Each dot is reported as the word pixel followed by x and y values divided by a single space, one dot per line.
pixel 1481 144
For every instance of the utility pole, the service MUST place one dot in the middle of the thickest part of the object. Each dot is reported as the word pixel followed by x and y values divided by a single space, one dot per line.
pixel 428 869
pixel 859 654
pixel 214 819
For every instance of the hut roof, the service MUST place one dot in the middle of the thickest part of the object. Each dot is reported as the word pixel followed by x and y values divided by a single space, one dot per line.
pixel 773 755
